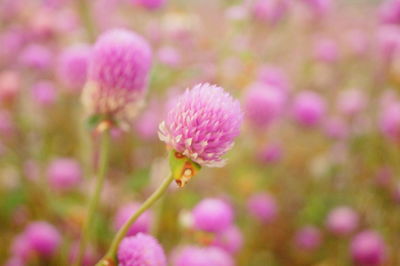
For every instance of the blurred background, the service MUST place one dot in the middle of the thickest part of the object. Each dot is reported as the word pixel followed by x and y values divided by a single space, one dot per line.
pixel 311 180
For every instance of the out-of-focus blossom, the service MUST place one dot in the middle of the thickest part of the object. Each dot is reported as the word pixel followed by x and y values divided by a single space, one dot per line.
pixel 64 174
pixel 319 8
pixel 351 102
pixel 357 42
pixel 142 224
pixel 271 153
pixel 198 256
pixel 118 73
pixel 150 4
pixel 43 238
pixel 269 11
pixel 390 12
pixel 336 128
pixel 20 247
pixel 9 86
pixel 230 239
pixel 212 215
pixel 388 42
pixel 73 65
pixel 308 108
pixel 203 124
pixel 368 249
pixel 326 50
pixel 263 105
pixel 275 77
pixel 36 56
pixel 141 249
pixel 263 206
pixel 342 220
pixel 169 56
pixel 44 93
pixel 308 238
pixel 390 121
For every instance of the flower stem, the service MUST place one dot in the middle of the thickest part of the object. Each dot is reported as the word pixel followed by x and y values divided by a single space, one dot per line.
pixel 110 257
pixel 93 201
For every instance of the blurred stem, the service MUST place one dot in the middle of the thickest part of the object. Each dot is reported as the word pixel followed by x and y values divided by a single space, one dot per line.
pixel 110 257
pixel 84 13
pixel 93 201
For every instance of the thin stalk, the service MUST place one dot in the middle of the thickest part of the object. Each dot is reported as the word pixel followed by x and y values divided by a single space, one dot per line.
pixel 110 257
pixel 94 199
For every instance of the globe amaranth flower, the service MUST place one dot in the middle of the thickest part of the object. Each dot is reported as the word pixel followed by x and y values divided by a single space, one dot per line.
pixel 201 256
pixel 72 66
pixel 118 74
pixel 150 4
pixel 202 124
pixel 43 238
pixel 263 206
pixel 44 93
pixel 64 173
pixel 308 108
pixel 342 220
pixel 230 239
pixel 212 215
pixel 142 224
pixel 308 238
pixel 141 250
pixel 263 105
pixel 269 11
pixel 368 249
pixel 389 12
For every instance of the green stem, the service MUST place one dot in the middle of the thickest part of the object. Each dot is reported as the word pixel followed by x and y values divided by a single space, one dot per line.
pixel 93 201
pixel 110 257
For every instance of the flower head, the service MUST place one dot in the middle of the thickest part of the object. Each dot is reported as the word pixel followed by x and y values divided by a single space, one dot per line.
pixel 64 173
pixel 309 108
pixel 203 124
pixel 263 206
pixel 118 73
pixel 73 66
pixel 368 249
pixel 212 215
pixel 141 250
pixel 230 239
pixel 263 105
pixel 43 238
pixel 342 220
pixel 308 238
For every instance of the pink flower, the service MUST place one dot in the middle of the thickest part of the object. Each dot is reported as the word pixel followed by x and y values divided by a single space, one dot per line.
pixel 198 256
pixel 64 173
pixel 342 221
pixel 263 105
pixel 230 239
pixel 73 66
pixel 203 124
pixel 212 215
pixel 263 206
pixel 308 108
pixel 141 249
pixel 368 249
pixel 118 72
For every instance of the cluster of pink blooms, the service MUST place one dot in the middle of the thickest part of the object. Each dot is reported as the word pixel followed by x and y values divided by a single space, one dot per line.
pixel 314 91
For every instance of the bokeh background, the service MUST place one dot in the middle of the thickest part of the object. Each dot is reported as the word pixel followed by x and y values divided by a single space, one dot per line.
pixel 311 180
